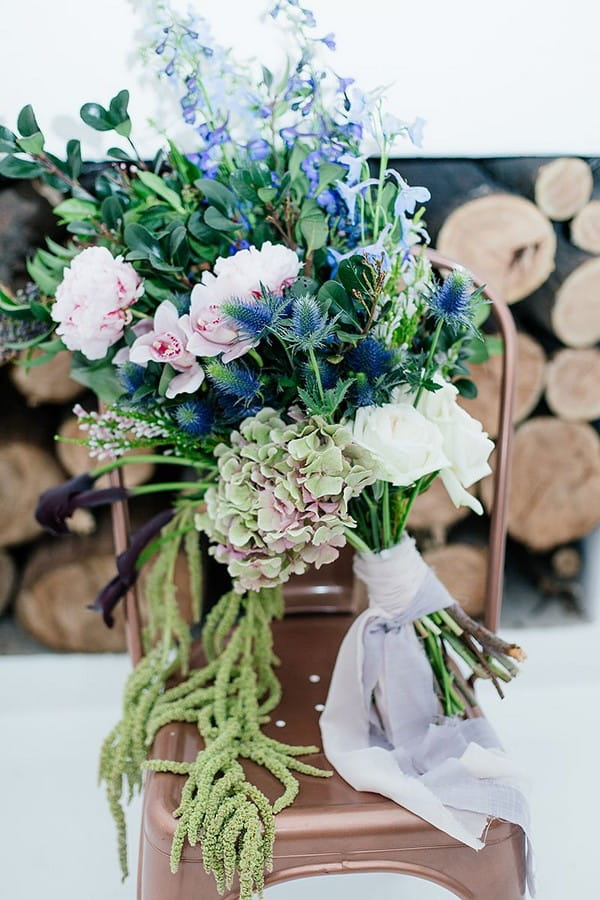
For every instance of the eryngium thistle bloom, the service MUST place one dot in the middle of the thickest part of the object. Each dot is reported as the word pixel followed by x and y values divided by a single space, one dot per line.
pixel 370 357
pixel 452 302
pixel 281 502
pixel 194 418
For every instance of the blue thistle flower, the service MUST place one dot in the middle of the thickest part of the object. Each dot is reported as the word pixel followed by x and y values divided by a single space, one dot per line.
pixel 452 302
pixel 308 327
pixel 364 392
pixel 194 418
pixel 255 317
pixel 370 357
pixel 131 376
pixel 234 381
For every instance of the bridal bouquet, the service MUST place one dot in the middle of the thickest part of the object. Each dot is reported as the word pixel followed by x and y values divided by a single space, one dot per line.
pixel 254 308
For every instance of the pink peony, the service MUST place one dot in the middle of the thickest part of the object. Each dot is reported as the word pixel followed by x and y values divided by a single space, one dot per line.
pixel 92 301
pixel 237 277
pixel 165 342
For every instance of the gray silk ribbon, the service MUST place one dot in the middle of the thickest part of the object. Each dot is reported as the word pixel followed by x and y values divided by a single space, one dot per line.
pixel 383 728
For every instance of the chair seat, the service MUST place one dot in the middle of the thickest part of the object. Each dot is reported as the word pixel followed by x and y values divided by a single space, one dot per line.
pixel 330 827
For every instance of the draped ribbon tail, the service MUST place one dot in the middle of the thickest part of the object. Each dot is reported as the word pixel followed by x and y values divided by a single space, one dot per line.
pixel 383 729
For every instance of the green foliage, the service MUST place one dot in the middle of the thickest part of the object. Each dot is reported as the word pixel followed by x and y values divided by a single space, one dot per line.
pixel 115 118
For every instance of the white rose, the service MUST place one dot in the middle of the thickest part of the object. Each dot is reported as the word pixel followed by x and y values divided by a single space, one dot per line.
pixel 92 301
pixel 403 442
pixel 466 444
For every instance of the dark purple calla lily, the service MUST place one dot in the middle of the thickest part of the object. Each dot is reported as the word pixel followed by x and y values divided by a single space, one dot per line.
pixel 127 571
pixel 57 504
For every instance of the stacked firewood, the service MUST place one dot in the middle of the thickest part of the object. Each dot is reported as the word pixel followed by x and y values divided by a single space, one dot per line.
pixel 530 229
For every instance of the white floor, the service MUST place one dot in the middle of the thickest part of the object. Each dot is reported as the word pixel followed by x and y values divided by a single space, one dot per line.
pixel 56 837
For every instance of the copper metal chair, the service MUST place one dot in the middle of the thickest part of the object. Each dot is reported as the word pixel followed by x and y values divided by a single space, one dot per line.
pixel 332 828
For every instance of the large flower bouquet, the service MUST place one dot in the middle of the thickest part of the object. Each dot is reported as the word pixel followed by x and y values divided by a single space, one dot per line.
pixel 260 310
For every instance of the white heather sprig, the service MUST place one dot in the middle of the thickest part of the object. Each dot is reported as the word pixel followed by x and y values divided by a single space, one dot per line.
pixel 111 434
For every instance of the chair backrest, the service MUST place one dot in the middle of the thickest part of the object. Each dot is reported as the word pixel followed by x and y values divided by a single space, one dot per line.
pixel 332 594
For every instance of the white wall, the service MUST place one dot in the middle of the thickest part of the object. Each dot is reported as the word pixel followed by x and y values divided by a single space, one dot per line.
pixel 502 77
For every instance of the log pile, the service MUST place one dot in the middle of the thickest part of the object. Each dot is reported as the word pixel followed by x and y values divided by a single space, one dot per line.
pixel 530 228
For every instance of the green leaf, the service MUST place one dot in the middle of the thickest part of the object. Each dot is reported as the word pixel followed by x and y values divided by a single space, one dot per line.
pixel 141 241
pixel 217 194
pixel 82 228
pixel 215 219
pixel 328 173
pixel 74 158
pixel 33 144
pixel 94 115
pixel 15 167
pixel 117 107
pixel 267 194
pixel 157 185
pixel 178 236
pixel 117 153
pixel 73 208
pixel 45 280
pixel 495 345
pixel 466 388
pixel 124 128
pixel 8 140
pixel 267 77
pixel 112 212
pixel 67 253
pixel 103 380
pixel 53 263
pixel 313 226
pixel 200 230
pixel 165 379
pixel 27 123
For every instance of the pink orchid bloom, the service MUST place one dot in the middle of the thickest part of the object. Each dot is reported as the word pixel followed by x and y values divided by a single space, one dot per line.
pixel 166 343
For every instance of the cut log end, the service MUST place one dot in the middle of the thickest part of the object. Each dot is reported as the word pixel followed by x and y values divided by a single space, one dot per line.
pixel 554 495
pixel 505 240
pixel 8 575
pixel 563 187
pixel 585 228
pixel 462 568
pixel 56 591
pixel 573 385
pixel 25 471
pixel 48 383
pixel 575 316
pixel 487 376
pixel 434 512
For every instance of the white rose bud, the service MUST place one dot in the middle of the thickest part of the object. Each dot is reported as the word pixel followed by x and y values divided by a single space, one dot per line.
pixel 405 445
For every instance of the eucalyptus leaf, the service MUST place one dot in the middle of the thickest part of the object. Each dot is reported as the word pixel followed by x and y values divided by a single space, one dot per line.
pixel 94 115
pixel 8 140
pixel 157 185
pixel 73 208
pixel 34 144
pixel 45 280
pixel 217 194
pixel 112 212
pixel 15 167
pixel 27 123
pixel 141 241
pixel 466 388
pixel 214 219
pixel 74 158
pixel 117 153
pixel 103 381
